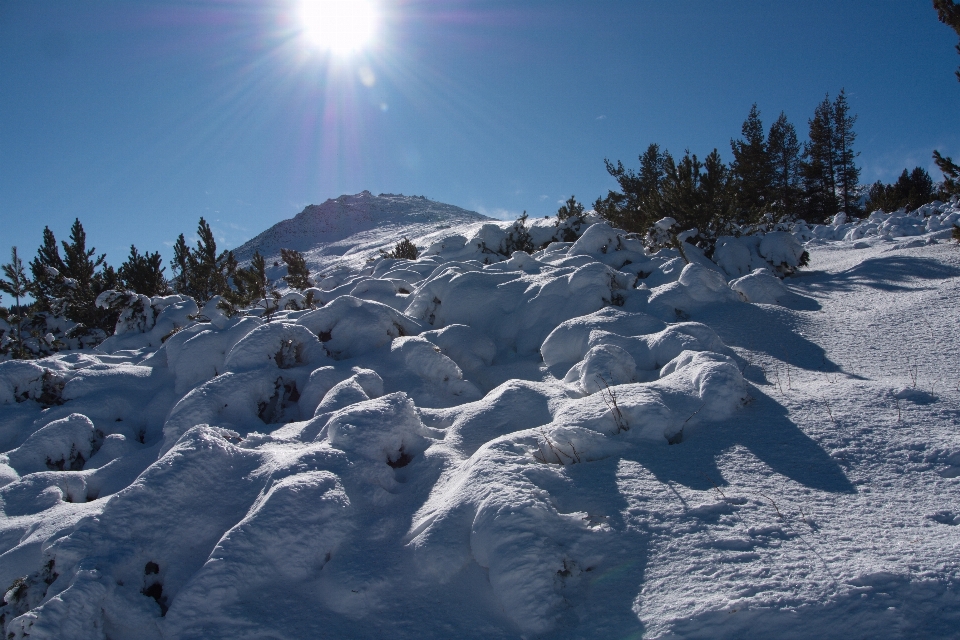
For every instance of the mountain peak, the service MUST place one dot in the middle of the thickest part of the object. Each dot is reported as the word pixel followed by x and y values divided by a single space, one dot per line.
pixel 361 220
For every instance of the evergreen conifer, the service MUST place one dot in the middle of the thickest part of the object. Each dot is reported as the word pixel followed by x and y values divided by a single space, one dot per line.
pixel 143 273
pixel 69 286
pixel 951 174
pixel 846 171
pixel 638 204
pixel 18 285
pixel 910 191
pixel 298 276
pixel 783 149
pixel 47 269
pixel 570 209
pixel 250 283
pixel 818 166
pixel 202 272
pixel 949 13
pixel 751 170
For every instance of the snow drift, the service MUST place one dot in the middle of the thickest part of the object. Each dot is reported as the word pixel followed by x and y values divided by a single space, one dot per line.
pixel 581 441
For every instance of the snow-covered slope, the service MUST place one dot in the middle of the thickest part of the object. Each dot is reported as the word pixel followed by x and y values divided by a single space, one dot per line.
pixel 351 229
pixel 584 442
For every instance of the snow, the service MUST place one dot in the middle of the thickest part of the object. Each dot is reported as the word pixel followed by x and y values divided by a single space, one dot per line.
pixel 590 440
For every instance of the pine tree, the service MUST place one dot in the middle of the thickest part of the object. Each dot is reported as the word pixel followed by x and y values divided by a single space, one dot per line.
pixel 911 191
pixel 86 282
pixel 847 173
pixel 517 237
pixel 783 150
pixel 921 188
pixel 818 166
pixel 201 272
pixel 298 276
pixel 180 266
pixel 250 283
pixel 638 205
pixel 143 273
pixel 949 13
pixel 209 270
pixel 18 285
pixel 682 195
pixel 951 174
pixel 570 209
pixel 715 192
pixel 750 169
pixel 70 285
pixel 47 269
pixel 403 250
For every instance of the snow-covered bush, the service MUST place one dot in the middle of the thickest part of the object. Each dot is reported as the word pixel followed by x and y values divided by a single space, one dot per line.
pixel 64 444
pixel 349 326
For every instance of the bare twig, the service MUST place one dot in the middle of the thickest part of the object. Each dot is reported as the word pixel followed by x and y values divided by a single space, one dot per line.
pixel 786 362
pixel 610 399
pixel 724 496
pixel 829 411
pixel 554 449
pixel 775 507
pixel 799 535
pixel 776 372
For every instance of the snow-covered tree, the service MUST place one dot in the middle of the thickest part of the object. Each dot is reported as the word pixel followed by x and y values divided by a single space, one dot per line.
pixel 17 284
pixel 298 275
pixel 202 272
pixel 143 273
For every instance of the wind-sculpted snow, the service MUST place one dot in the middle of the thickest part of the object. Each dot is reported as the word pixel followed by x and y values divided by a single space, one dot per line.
pixel 590 440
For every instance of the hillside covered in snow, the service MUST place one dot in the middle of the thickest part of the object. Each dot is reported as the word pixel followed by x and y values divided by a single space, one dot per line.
pixel 584 440
pixel 350 229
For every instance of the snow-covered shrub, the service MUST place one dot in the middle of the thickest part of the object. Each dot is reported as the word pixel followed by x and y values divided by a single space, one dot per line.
pixel 288 535
pixel 441 380
pixel 778 251
pixel 64 445
pixel 602 366
pixel 363 385
pixel 783 251
pixel 348 326
pixel 463 344
pixel 23 380
pixel 385 431
pixel 697 286
pixel 760 287
pixel 143 321
pixel 196 354
pixel 488 239
pixel 279 345
pixel 568 342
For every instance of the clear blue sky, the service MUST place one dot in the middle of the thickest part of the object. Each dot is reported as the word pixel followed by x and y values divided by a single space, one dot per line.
pixel 139 117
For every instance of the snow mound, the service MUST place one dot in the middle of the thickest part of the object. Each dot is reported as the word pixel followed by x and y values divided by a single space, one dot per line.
pixel 349 326
pixel 62 444
pixel 760 287
pixel 546 431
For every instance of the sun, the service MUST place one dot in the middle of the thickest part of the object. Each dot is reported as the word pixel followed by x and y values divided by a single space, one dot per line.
pixel 342 27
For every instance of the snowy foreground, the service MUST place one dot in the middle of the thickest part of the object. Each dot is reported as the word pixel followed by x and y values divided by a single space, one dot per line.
pixel 585 442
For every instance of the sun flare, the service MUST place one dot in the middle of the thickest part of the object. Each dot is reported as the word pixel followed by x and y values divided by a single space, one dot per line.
pixel 340 26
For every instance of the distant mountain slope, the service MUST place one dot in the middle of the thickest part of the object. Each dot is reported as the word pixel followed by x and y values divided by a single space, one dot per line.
pixel 351 228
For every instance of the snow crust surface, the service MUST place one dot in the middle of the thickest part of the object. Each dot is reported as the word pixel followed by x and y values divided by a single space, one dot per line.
pixel 585 441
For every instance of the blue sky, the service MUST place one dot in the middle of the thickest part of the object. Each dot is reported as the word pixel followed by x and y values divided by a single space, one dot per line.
pixel 139 117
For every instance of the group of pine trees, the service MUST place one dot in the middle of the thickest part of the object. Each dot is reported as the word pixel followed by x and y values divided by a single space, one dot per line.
pixel 64 280
pixel 949 13
pixel 771 175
